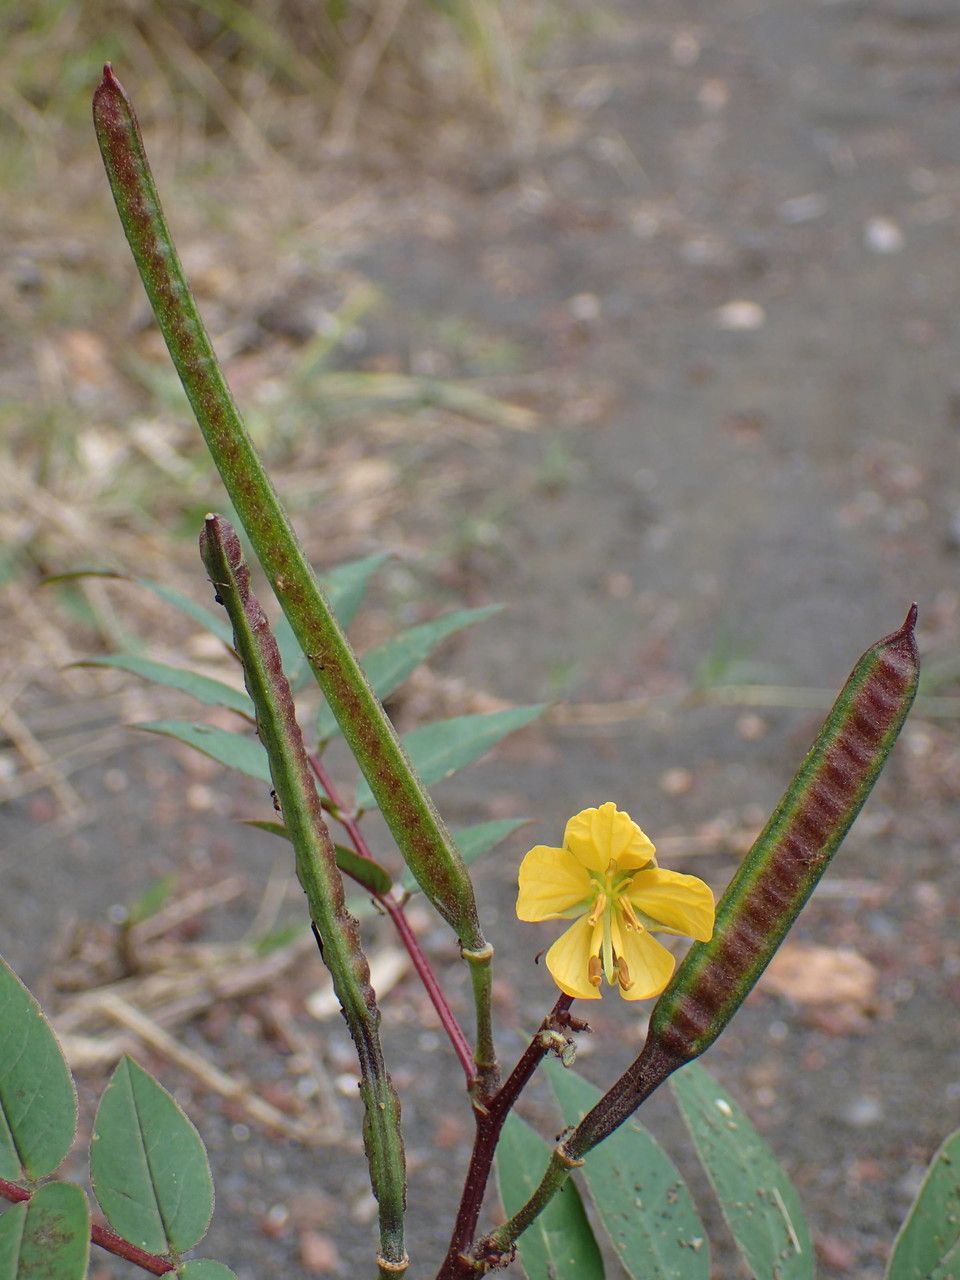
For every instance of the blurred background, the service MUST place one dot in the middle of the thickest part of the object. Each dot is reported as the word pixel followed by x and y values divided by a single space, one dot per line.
pixel 637 317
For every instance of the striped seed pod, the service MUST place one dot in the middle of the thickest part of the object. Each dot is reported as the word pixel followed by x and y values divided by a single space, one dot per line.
pixel 775 879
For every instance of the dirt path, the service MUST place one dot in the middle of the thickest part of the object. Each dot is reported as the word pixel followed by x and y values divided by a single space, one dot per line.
pixel 728 275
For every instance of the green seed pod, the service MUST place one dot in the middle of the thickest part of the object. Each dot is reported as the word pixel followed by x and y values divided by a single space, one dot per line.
pixel 775 879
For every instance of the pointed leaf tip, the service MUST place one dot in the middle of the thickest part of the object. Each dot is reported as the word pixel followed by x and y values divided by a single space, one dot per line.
pixel 911 619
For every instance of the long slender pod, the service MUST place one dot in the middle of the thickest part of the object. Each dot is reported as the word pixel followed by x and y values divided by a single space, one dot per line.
pixel 337 931
pixel 421 835
pixel 762 900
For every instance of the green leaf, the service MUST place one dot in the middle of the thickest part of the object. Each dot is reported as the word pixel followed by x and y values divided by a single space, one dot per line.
pixel 758 1200
pixel 237 750
pixel 440 749
pixel 213 693
pixel 364 870
pixel 204 1269
pixel 46 1236
pixel 38 1103
pixel 389 665
pixel 148 1165
pixel 153 899
pixel 559 1244
pixel 208 620
pixel 345 586
pixel 638 1192
pixel 474 841
pixel 927 1246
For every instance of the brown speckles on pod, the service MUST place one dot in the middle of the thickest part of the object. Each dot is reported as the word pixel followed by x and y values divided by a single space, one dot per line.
pixel 794 849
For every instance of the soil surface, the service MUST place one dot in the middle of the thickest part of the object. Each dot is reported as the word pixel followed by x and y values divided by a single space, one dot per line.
pixel 725 278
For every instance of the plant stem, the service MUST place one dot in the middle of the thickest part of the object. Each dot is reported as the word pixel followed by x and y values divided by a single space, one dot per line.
pixel 421 836
pixel 103 1237
pixel 336 931
pixel 490 1119
pixel 394 909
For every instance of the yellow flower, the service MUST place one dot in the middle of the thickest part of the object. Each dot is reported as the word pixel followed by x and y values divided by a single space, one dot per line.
pixel 606 875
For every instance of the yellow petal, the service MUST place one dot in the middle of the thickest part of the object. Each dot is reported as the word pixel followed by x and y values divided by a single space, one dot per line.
pixel 673 903
pixel 569 959
pixel 594 836
pixel 552 882
pixel 649 964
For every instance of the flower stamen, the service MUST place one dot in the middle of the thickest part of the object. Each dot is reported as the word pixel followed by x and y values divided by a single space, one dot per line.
pixel 629 915
pixel 623 974
pixel 598 909
pixel 595 971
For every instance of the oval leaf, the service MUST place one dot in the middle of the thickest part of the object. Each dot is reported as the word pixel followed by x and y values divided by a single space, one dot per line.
pixel 927 1246
pixel 440 749
pixel 148 1165
pixel 47 1235
pixel 638 1192
pixel 38 1103
pixel 559 1244
pixel 757 1199
pixel 213 693
pixel 389 665
pixel 234 749
pixel 205 1269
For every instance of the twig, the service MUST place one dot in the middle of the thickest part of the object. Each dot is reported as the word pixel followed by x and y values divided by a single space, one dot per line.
pixel 227 1086
pixel 490 1120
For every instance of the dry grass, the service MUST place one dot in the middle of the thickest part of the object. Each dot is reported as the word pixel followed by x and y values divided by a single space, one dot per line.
pixel 102 466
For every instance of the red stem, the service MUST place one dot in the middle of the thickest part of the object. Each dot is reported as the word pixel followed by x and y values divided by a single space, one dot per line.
pixel 103 1236
pixel 394 909
pixel 490 1120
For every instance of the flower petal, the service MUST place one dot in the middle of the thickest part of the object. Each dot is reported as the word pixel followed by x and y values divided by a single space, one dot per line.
pixel 673 903
pixel 552 883
pixel 569 959
pixel 649 963
pixel 594 836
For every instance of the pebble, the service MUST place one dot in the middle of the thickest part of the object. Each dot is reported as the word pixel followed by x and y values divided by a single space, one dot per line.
pixel 740 315
pixel 882 235
pixel 862 1112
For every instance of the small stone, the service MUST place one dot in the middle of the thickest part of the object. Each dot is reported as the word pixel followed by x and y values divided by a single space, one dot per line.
pixel 676 782
pixel 803 208
pixel 751 727
pixel 862 1112
pixel 740 315
pixel 318 1254
pixel 882 235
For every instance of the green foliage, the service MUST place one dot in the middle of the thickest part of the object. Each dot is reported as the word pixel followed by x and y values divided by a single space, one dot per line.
pixel 148 1166
pixel 226 747
pixel 757 1199
pixel 389 665
pixel 560 1245
pixel 204 1269
pixel 213 693
pixel 438 750
pixel 345 587
pixel 46 1236
pixel 928 1245
pixel 640 1197
pixel 38 1103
